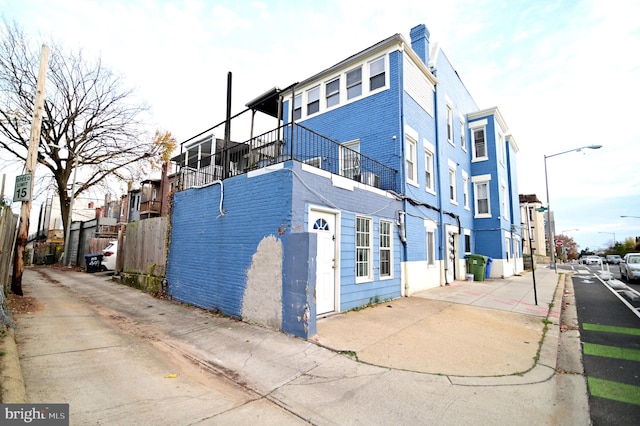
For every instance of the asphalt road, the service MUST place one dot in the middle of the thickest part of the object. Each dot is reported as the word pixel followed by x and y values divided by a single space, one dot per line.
pixel 610 336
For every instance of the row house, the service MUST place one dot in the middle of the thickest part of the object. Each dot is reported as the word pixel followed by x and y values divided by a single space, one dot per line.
pixel 381 176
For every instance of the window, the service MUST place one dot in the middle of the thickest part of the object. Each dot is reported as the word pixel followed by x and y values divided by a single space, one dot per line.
pixel 502 149
pixel 465 189
pixel 428 170
pixel 411 161
pixel 313 100
pixel 482 198
pixel 479 144
pixel 350 159
pixel 452 183
pixel 450 124
pixel 332 89
pixel 467 242
pixel 505 202
pixel 363 247
pixel 354 83
pixel 297 107
pixel 376 74
pixel 463 139
pixel 507 247
pixel 431 247
pixel 385 249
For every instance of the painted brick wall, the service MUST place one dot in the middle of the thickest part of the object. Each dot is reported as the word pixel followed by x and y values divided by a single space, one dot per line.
pixel 209 253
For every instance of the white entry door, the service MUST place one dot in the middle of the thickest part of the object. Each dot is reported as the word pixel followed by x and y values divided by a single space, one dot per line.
pixel 324 224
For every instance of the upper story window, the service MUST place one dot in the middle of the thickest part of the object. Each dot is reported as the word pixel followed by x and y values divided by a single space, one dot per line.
pixel 450 124
pixel 452 185
pixel 297 107
pixel 479 144
pixel 428 170
pixel 313 100
pixel 465 190
pixel 463 139
pixel 481 195
pixel 377 74
pixel 354 83
pixel 411 161
pixel 502 149
pixel 332 90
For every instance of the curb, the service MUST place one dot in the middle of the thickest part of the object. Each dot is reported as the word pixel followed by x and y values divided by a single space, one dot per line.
pixel 13 389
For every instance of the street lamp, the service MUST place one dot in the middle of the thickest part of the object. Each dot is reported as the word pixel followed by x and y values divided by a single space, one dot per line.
pixel 610 233
pixel 552 243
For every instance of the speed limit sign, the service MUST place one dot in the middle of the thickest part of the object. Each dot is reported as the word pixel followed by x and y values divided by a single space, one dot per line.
pixel 23 188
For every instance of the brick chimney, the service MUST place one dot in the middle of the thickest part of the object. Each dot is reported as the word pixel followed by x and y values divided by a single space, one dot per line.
pixel 420 42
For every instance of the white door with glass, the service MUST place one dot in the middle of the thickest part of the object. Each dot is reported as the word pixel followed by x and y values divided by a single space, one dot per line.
pixel 323 223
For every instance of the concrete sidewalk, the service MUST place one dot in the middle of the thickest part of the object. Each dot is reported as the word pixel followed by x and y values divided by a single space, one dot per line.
pixel 469 352
pixel 491 328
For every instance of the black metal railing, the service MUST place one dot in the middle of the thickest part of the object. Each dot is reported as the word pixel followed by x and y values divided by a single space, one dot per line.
pixel 275 147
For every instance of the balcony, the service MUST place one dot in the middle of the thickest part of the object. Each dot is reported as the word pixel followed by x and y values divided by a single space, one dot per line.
pixel 210 161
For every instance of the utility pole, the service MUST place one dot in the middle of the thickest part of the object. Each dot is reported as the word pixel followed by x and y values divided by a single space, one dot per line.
pixel 30 166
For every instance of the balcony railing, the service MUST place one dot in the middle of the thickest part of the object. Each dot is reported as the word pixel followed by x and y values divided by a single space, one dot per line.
pixel 275 147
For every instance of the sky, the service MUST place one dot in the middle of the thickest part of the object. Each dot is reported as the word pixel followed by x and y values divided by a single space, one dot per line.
pixel 564 74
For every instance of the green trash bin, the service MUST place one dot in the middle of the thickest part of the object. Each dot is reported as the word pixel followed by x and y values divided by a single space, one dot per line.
pixel 476 265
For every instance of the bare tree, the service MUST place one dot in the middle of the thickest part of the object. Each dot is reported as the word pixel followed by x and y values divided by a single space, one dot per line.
pixel 90 121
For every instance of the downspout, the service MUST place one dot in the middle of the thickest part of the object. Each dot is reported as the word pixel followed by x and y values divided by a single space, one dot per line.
pixel 401 214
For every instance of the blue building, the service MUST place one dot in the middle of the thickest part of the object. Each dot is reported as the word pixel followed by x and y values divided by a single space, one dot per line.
pixel 380 177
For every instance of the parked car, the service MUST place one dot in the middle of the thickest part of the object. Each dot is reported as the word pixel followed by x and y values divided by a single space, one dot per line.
pixel 109 254
pixel 630 266
pixel 591 260
pixel 613 259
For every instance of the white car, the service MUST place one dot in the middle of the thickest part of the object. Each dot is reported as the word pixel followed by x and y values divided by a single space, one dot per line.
pixel 109 256
pixel 630 267
pixel 591 260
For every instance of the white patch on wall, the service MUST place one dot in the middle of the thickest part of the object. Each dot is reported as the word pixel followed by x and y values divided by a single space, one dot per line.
pixel 262 302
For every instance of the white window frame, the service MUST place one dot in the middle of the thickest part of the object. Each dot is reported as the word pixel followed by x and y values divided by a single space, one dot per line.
pixel 411 160
pixel 505 201
pixel 428 171
pixel 502 149
pixel 463 135
pixel 374 77
pixel 350 161
pixel 453 183
pixel 450 124
pixel 332 97
pixel 363 246
pixel 474 127
pixel 477 181
pixel 467 237
pixel 355 84
pixel 430 242
pixel 465 190
pixel 297 107
pixel 313 100
pixel 385 245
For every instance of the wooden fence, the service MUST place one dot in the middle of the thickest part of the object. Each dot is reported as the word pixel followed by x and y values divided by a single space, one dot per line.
pixel 142 254
pixel 8 234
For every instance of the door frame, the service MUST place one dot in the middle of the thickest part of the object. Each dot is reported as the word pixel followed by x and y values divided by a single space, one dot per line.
pixel 337 262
